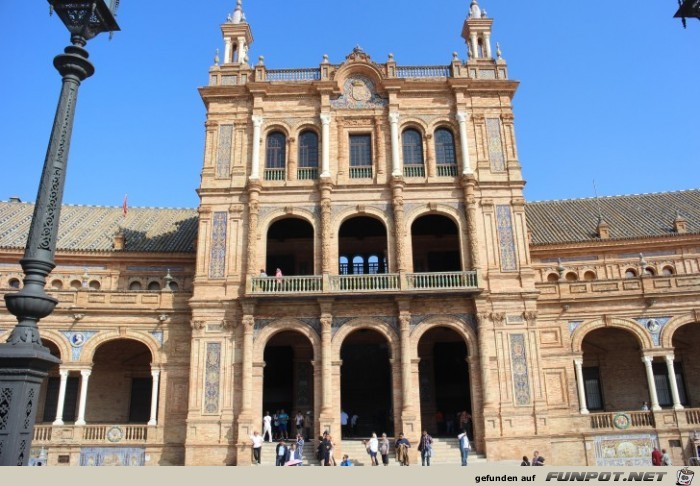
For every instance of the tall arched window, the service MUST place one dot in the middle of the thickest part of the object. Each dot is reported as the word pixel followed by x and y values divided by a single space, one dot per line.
pixel 358 265
pixel 275 156
pixel 445 153
pixel 413 153
pixel 308 156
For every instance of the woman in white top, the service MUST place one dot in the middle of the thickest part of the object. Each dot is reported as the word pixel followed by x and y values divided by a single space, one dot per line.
pixel 373 446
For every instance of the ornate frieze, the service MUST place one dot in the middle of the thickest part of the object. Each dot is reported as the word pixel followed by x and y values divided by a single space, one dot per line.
pixel 521 379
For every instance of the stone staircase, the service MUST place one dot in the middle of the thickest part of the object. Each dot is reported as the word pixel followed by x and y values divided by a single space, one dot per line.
pixel 445 452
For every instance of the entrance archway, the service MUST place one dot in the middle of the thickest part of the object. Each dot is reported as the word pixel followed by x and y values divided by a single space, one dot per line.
pixel 290 247
pixel 288 378
pixel 435 241
pixel 686 349
pixel 366 383
pixel 445 386
pixel 48 398
pixel 362 246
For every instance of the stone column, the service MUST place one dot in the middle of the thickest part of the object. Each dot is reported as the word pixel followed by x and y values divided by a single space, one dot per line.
pixel 227 50
pixel 395 144
pixel 652 384
pixel 326 145
pixel 326 188
pixel 469 186
pixel 84 378
pixel 397 186
pixel 488 388
pixel 254 189
pixel 408 411
pixel 154 397
pixel 61 397
pixel 462 118
pixel 326 418
pixel 255 163
pixel 578 363
pixel 487 45
pixel 247 358
pixel 242 51
pixel 475 46
pixel 674 383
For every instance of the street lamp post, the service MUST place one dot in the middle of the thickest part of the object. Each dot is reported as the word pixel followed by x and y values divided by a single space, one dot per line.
pixel 24 361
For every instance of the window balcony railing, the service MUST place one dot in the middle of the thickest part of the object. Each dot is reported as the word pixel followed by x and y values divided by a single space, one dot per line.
pixel 375 282
pixel 275 174
pixel 94 434
pixel 447 170
pixel 307 174
pixel 360 172
pixel 621 420
pixel 414 171
pixel 692 416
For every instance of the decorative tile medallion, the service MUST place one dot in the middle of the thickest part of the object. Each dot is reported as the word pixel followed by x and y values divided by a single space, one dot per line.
pixel 223 157
pixel 77 340
pixel 212 371
pixel 112 456
pixel 624 450
pixel 495 141
pixel 654 326
pixel 217 264
pixel 506 239
pixel 359 93
pixel 521 380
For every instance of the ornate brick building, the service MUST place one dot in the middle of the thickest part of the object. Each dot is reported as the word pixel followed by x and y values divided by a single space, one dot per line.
pixel 408 281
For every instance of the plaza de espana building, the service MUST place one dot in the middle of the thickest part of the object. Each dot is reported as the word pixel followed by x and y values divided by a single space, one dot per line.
pixel 415 283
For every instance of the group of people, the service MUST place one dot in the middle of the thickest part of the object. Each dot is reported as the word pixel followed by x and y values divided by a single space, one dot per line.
pixel 660 457
pixel 446 422
pixel 276 427
pixel 348 424
pixel 537 460
pixel 285 454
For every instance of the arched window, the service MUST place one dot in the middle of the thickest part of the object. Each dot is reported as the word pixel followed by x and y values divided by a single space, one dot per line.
pixel 76 284
pixel 95 285
pixel 343 264
pixel 571 277
pixel 630 273
pixel 135 286
pixel 445 153
pixel 57 285
pixel 308 149
pixel 154 286
pixel 589 275
pixel 174 286
pixel 275 156
pixel 358 265
pixel 373 262
pixel 413 153
pixel 667 271
pixel 552 277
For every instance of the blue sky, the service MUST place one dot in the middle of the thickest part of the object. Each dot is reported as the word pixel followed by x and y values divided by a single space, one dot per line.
pixel 608 90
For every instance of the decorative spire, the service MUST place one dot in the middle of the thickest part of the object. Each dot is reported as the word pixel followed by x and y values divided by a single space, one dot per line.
pixel 216 58
pixel 474 10
pixel 238 15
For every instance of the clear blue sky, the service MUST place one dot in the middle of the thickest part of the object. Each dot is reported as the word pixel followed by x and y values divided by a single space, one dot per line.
pixel 608 89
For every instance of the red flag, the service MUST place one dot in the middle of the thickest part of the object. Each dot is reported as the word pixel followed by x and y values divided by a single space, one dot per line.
pixel 125 207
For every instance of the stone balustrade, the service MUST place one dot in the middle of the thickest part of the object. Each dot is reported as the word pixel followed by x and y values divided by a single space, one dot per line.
pixel 647 285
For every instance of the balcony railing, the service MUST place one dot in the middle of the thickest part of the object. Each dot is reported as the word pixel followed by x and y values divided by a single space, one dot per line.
pixel 360 172
pixel 692 416
pixel 446 170
pixel 307 173
pixel 93 434
pixel 379 282
pixel 414 171
pixel 621 420
pixel 303 74
pixel 275 174
pixel 423 72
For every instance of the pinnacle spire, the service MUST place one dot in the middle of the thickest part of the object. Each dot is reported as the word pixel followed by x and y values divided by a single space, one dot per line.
pixel 238 15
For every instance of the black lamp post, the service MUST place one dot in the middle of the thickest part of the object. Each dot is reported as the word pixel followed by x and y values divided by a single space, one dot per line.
pixel 24 361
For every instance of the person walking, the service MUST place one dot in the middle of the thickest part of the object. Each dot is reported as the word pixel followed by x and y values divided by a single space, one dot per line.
pixel 525 462
pixel 300 445
pixel 537 459
pixel 425 446
pixel 464 446
pixel 402 445
pixel 665 458
pixel 299 422
pixel 276 425
pixel 656 457
pixel 281 453
pixel 267 426
pixel 384 449
pixel 373 449
pixel 331 459
pixel 257 446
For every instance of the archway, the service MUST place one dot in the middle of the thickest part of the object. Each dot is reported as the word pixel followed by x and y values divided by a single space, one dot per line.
pixel 445 386
pixel 435 241
pixel 362 246
pixel 288 379
pixel 686 349
pixel 613 373
pixel 48 396
pixel 120 386
pixel 290 247
pixel 366 383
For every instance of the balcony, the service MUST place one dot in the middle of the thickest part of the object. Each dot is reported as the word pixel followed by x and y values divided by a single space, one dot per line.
pixel 647 286
pixel 307 173
pixel 91 435
pixel 275 174
pixel 370 283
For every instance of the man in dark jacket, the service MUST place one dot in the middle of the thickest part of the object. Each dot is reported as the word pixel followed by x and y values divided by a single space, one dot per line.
pixel 281 453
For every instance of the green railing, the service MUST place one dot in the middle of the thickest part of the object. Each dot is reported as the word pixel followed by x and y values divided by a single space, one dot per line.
pixel 414 171
pixel 446 170
pixel 307 174
pixel 375 282
pixel 442 280
pixel 360 172
pixel 275 174
pixel 286 285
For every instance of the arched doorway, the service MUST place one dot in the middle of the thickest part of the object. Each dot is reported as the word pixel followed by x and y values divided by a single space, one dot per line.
pixel 445 386
pixel 290 247
pixel 120 386
pixel 366 383
pixel 362 247
pixel 288 379
pixel 613 373
pixel 686 349
pixel 48 397
pixel 436 247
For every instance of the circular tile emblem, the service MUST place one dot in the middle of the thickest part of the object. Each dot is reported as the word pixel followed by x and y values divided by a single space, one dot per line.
pixel 622 421
pixel 115 434
pixel 77 339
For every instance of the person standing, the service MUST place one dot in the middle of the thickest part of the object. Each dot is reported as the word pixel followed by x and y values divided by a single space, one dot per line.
pixel 425 446
pixel 300 445
pixel 257 446
pixel 267 426
pixel 464 446
pixel 384 449
pixel 373 449
pixel 344 423
pixel 331 458
pixel 665 458
pixel 284 421
pixel 402 445
pixel 353 423
pixel 278 275
pixel 299 422
pixel 525 462
pixel 276 425
pixel 281 453
pixel 656 457
pixel 537 459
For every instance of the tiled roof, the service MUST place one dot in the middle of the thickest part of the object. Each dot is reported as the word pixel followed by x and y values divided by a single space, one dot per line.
pixel 628 217
pixel 92 228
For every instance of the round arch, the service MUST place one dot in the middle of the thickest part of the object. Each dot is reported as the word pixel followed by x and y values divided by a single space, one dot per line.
pixel 369 212
pixel 413 123
pixel 285 325
pixel 91 346
pixel 276 126
pixel 61 342
pixel 440 210
pixel 359 68
pixel 306 126
pixel 467 333
pixel 280 214
pixel 365 323
pixel 643 338
pixel 666 339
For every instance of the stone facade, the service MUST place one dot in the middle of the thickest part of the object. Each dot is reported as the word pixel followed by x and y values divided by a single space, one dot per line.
pixel 393 198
